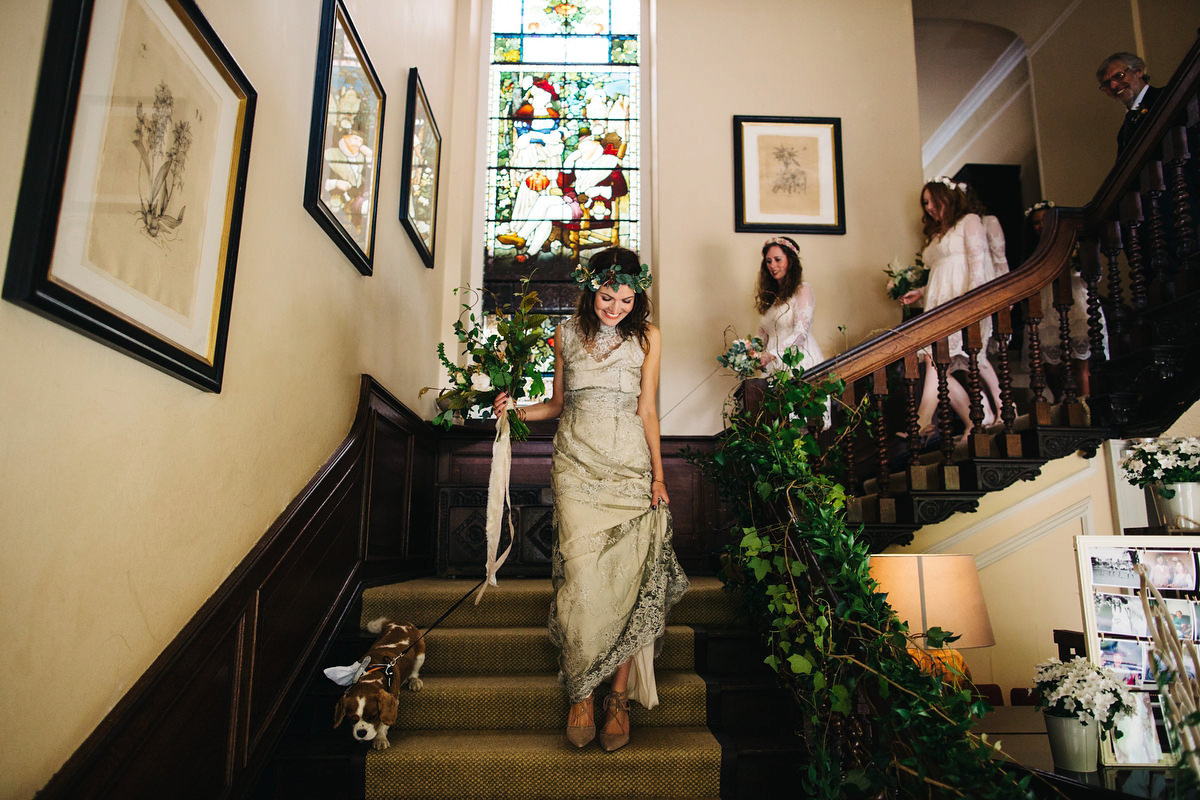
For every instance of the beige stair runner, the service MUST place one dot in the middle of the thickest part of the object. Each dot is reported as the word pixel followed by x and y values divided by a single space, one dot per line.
pixel 488 723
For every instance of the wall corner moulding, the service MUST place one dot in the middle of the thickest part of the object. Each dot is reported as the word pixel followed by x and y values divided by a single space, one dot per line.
pixel 341 188
pixel 130 207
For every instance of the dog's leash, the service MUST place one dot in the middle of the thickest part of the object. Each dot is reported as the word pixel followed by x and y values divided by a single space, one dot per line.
pixel 389 671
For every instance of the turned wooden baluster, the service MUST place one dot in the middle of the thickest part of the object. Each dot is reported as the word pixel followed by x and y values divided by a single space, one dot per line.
pixel 1089 259
pixel 1037 376
pixel 912 382
pixel 972 344
pixel 1002 332
pixel 1152 192
pixel 1175 153
pixel 879 393
pixel 851 402
pixel 941 361
pixel 1131 221
pixel 1063 301
pixel 1111 247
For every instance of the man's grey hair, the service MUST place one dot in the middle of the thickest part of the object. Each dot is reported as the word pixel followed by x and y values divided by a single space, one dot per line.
pixel 1130 60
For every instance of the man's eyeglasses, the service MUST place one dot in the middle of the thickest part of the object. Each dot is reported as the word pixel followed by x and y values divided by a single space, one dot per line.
pixel 1116 76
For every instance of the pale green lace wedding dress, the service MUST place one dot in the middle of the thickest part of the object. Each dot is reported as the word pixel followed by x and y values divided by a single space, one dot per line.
pixel 615 572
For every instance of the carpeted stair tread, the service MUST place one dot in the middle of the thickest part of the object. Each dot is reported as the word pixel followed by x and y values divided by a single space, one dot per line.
pixel 523 602
pixel 491 651
pixel 526 702
pixel 658 763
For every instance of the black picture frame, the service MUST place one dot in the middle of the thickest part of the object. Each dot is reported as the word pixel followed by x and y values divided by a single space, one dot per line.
pixel 419 175
pixel 341 188
pixel 90 236
pixel 802 157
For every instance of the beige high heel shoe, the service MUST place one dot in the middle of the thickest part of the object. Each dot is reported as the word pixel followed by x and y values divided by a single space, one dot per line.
pixel 616 715
pixel 581 722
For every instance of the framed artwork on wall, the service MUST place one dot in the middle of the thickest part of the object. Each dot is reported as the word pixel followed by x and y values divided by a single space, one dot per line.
pixel 788 175
pixel 341 189
pixel 1120 635
pixel 419 177
pixel 130 209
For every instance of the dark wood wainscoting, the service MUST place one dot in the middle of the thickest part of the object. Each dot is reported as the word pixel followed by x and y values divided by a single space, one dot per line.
pixel 204 717
pixel 464 463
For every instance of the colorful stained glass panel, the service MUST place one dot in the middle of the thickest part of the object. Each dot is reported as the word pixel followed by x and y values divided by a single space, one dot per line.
pixel 563 141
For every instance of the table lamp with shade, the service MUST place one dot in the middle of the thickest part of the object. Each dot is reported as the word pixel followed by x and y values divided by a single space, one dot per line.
pixel 936 590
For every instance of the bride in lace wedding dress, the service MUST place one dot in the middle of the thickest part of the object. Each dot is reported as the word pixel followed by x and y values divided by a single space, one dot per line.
pixel 615 573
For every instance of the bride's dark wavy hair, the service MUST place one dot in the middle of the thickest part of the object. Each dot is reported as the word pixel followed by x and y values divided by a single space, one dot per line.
pixel 636 321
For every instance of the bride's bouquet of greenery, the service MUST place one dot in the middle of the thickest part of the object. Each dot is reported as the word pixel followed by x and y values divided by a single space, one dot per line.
pixel 742 357
pixel 903 278
pixel 1079 689
pixel 505 352
pixel 1162 461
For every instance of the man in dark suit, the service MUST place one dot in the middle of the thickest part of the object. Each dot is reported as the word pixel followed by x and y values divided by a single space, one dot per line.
pixel 1123 77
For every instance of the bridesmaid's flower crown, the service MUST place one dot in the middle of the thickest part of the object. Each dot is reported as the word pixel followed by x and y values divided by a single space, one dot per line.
pixel 950 183
pixel 1040 205
pixel 611 277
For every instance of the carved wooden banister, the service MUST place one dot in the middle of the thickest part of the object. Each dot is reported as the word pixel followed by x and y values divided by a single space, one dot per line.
pixel 1062 227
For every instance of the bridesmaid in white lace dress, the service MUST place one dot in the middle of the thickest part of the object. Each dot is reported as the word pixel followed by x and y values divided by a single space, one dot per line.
pixel 786 304
pixel 958 258
pixel 615 573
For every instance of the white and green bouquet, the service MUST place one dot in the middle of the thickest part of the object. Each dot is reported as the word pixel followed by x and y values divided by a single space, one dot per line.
pixel 1079 689
pixel 742 357
pixel 902 278
pixel 1156 462
pixel 503 352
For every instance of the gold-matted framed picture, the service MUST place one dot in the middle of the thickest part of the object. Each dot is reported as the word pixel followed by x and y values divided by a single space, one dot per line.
pixel 341 189
pixel 130 209
pixel 788 175
pixel 419 177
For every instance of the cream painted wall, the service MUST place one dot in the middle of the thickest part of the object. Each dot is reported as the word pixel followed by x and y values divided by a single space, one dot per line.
pixel 775 57
pixel 1023 542
pixel 129 496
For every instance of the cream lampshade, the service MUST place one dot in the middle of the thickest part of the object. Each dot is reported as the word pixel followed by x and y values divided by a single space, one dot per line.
pixel 936 591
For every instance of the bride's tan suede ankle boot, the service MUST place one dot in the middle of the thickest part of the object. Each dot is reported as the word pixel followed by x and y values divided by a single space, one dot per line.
pixel 616 711
pixel 583 729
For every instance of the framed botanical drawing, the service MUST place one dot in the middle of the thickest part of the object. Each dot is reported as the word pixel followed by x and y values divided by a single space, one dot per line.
pixel 788 175
pixel 130 209
pixel 341 189
pixel 419 178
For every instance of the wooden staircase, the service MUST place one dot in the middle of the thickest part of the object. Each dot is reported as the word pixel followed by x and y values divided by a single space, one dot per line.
pixel 487 722
pixel 1137 244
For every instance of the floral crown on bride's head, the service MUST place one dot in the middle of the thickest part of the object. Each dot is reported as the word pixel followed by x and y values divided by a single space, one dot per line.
pixel 1040 205
pixel 611 277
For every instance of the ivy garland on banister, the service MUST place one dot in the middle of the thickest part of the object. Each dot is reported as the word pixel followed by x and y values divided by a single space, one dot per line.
pixel 875 725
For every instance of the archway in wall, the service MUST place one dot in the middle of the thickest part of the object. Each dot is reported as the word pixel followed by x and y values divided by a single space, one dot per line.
pixel 977 115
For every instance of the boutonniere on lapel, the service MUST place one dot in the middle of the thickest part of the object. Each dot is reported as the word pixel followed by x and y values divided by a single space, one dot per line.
pixel 1143 110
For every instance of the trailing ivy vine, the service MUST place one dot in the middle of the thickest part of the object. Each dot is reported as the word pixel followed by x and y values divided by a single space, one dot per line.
pixel 875 725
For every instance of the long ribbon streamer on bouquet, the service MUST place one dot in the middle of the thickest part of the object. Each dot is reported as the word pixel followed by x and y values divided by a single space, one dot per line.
pixel 498 498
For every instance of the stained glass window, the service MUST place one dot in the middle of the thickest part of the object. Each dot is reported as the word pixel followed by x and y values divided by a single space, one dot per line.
pixel 563 141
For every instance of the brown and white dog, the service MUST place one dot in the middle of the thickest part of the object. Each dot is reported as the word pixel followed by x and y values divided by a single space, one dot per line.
pixel 370 703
